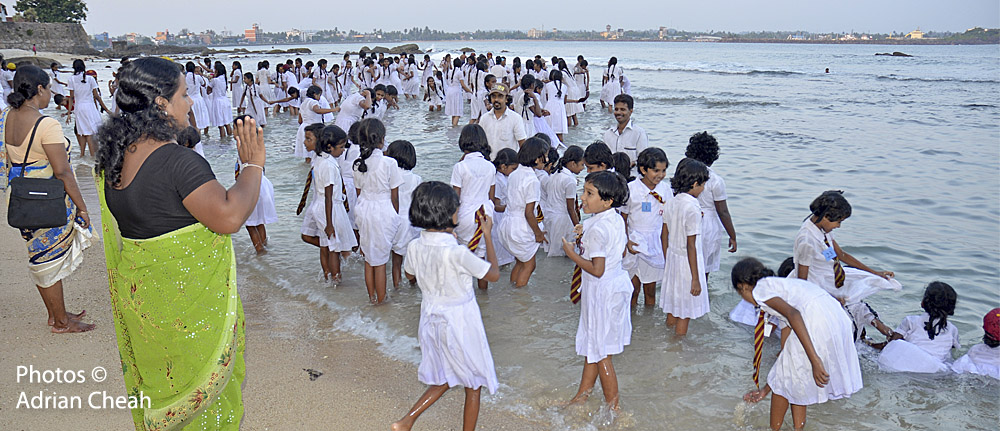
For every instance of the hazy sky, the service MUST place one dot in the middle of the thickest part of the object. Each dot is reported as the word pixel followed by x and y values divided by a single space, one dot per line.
pixel 881 16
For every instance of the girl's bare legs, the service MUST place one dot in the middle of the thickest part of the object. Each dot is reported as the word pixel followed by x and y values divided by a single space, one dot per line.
pixel 324 262
pixel 560 136
pixel 516 270
pixel 256 239
pixel 587 381
pixel 799 416
pixel 379 283
pixel 314 240
pixel 671 320
pixel 604 369
pixel 682 327
pixel 397 269
pixel 370 282
pixel 471 413
pixel 333 264
pixel 525 274
pixel 636 286
pixel 649 290
pixel 61 321
pixel 92 144
pixel 83 144
pixel 426 400
pixel 454 121
pixel 779 405
pixel 263 234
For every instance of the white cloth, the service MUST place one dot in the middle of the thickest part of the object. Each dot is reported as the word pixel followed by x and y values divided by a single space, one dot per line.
pixel 573 92
pixel 405 232
pixel 237 83
pixel 263 78
pixel 614 86
pixel 346 161
pixel 560 187
pixel 555 93
pixel 57 88
pixel 980 359
pixel 500 193
pixel 454 102
pixel 474 175
pixel 683 219
pixel 523 188
pixel 631 141
pixel 326 173
pixel 745 313
pixel 858 284
pixel 375 215
pixel 264 212
pixel 254 104
pixel 198 106
pixel 309 116
pixel 645 220
pixel 221 114
pixel 350 111
pixel 829 330
pixel 711 224
pixel 503 132
pixel 453 345
pixel 605 326
pixel 901 356
pixel 912 329
pixel 88 117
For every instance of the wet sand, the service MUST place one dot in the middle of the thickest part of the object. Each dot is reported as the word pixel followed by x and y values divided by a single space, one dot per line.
pixel 360 388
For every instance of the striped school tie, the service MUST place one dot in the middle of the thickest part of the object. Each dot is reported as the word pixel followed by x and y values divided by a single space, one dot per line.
pixel 343 189
pixel 657 197
pixel 478 235
pixel 758 347
pixel 839 276
pixel 305 193
pixel 538 214
pixel 577 280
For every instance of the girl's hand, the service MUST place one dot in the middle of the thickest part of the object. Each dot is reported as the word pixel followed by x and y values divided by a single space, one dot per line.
pixel 755 396
pixel 330 232
pixel 820 375
pixel 540 237
pixel 695 286
pixel 894 336
pixel 732 244
pixel 546 113
pixel 884 274
pixel 578 230
pixel 83 219
pixel 568 247
pixel 487 224
pixel 629 245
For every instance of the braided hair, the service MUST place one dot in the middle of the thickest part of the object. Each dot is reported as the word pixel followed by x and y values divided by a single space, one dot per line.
pixel 939 303
pixel 371 135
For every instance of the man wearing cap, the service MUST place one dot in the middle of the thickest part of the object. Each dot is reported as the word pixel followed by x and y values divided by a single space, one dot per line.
pixel 7 78
pixel 504 129
pixel 625 136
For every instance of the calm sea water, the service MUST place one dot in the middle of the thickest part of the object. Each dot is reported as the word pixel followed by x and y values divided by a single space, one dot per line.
pixel 914 142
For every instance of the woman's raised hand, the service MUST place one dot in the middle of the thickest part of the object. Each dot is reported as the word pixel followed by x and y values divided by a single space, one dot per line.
pixel 250 142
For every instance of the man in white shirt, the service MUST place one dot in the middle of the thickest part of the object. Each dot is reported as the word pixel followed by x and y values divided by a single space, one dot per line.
pixel 625 136
pixel 504 128
pixel 499 70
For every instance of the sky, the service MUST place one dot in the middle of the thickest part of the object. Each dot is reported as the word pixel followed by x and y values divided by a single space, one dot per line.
pixel 880 16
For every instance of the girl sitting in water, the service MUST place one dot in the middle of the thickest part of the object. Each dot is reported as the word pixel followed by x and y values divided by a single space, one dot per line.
pixel 984 358
pixel 684 293
pixel 923 343
pixel 820 363
pixel 453 345
pixel 435 95
pixel 605 328
pixel 326 224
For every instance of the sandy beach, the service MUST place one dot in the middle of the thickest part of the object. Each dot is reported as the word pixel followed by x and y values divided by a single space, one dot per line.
pixel 65 59
pixel 360 388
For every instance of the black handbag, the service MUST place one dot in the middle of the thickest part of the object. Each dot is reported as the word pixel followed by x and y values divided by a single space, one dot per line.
pixel 36 203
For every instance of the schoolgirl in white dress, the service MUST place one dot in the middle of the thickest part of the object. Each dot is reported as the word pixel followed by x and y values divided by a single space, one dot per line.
pixel 435 94
pixel 326 178
pixel 474 177
pixel 427 68
pixel 394 74
pixel 58 86
pixel 605 326
pixel 411 85
pixel 207 94
pixel 346 161
pixel 263 213
pixel 573 92
pixel 406 159
pixel 983 358
pixel 264 81
pixel 505 161
pixel 818 364
pixel 289 81
pixel 86 97
pixel 222 108
pixel 195 87
pixel 352 108
pixel 560 203
pixel 923 343
pixel 252 99
pixel 311 112
pixel 612 84
pixel 281 84
pixel 453 346
pixel 684 293
pixel 704 148
pixel 644 219
pixel 236 84
pixel 478 90
pixel 378 179
pixel 519 234
pixel 454 105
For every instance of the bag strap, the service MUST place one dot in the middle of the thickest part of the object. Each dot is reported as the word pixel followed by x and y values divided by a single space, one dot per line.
pixel 30 141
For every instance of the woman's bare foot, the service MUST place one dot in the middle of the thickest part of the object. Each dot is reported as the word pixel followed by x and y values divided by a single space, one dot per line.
pixel 52 320
pixel 260 249
pixel 579 399
pixel 73 326
pixel 400 426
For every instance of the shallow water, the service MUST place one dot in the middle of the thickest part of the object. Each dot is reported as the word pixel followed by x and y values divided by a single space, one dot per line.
pixel 912 141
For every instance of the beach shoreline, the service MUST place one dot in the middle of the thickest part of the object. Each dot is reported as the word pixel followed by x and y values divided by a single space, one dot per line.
pixel 360 388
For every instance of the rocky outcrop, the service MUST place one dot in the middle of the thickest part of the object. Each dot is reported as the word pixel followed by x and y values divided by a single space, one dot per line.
pixel 42 62
pixel 52 37
pixel 894 54
pixel 153 50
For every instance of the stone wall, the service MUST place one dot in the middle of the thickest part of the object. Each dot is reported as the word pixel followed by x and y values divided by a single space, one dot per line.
pixel 54 37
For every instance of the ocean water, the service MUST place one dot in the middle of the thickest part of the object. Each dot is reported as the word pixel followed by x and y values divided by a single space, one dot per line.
pixel 913 142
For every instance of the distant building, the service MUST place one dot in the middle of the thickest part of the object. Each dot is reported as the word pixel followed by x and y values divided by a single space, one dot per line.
pixel 162 36
pixel 251 34
pixel 662 33
pixel 536 33
pixel 608 34
pixel 915 34
pixel 205 38
pixel 132 38
pixel 102 37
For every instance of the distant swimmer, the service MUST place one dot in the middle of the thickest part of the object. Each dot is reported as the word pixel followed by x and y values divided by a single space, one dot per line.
pixel 828 70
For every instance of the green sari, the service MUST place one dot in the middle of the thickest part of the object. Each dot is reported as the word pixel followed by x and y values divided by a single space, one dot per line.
pixel 179 323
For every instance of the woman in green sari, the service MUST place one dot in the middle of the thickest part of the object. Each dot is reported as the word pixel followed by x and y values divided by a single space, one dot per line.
pixel 171 269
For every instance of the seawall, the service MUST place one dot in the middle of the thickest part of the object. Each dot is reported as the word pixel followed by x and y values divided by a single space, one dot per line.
pixel 54 37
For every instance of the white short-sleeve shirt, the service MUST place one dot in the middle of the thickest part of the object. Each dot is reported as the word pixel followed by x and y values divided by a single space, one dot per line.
pixel 383 175
pixel 523 188
pixel 912 330
pixel 715 191
pixel 559 187
pixel 645 212
pixel 474 175
pixel 444 268
pixel 808 251
pixel 631 141
pixel 503 132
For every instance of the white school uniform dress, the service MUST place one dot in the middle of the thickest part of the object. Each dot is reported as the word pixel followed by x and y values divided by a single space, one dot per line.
pixel 264 85
pixel 405 232
pixel 830 331
pixel 809 251
pixel 645 222
pixel 543 179
pixel 580 76
pixel 57 88
pixel 350 111
pixel 474 175
pixel 308 117
pixel 281 80
pixel 523 188
pixel 454 100
pixel 237 82
pixel 326 173
pixel 605 327
pixel 980 359
pixel 346 161
pixel 917 352
pixel 264 212
pixel 375 216
pixel 500 193
pixel 289 78
pixel 711 224
pixel 88 117
pixel 208 98
pixel 394 77
pixel 411 85
pixel 613 87
pixel 222 109
pixel 255 105
pixel 555 94
pixel 682 215
pixel 573 92
pixel 436 95
pixel 477 81
pixel 453 345
pixel 559 187
pixel 198 105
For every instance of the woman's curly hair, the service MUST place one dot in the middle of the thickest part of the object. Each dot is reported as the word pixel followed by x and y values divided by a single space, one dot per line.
pixel 139 84
pixel 703 148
